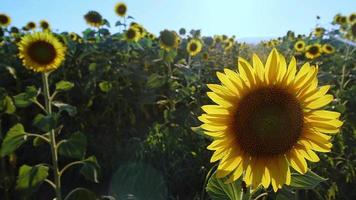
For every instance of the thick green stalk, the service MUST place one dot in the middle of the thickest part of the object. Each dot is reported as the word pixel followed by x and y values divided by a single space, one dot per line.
pixel 57 180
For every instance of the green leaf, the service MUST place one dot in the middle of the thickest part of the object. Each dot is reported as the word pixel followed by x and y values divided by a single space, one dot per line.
pixel 155 81
pixel 138 181
pixel 307 181
pixel 74 147
pixel 31 177
pixel 218 190
pixel 7 105
pixel 45 122
pixel 14 138
pixel 64 85
pixel 105 86
pixel 26 98
pixel 91 169
pixel 81 194
pixel 285 194
pixel 71 110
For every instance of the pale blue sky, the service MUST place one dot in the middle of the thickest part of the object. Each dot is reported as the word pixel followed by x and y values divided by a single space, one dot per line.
pixel 243 18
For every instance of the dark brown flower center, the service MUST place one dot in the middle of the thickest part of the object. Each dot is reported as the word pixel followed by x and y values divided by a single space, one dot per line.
pixel 268 122
pixel 4 19
pixel 42 52
pixel 131 33
pixel 193 47
pixel 121 9
pixel 314 50
pixel 300 46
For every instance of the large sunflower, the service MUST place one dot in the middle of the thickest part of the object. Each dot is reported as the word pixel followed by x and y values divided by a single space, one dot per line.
pixel 268 118
pixel 121 9
pixel 194 46
pixel 299 46
pixel 94 19
pixel 313 51
pixel 328 49
pixel 168 40
pixel 41 51
pixel 4 20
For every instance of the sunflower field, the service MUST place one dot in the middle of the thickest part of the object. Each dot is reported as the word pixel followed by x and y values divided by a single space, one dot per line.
pixel 132 115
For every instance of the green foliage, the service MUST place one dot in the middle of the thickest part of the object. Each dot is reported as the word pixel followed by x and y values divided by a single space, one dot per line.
pixel 219 190
pixel 15 137
pixel 30 178
pixel 74 147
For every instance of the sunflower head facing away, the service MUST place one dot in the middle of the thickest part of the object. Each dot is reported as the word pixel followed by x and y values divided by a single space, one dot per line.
pixel 328 49
pixel 44 25
pixel 31 25
pixel 5 20
pixel 168 40
pixel 132 34
pixel 266 119
pixel 121 9
pixel 313 51
pixel 299 46
pixel 94 19
pixel 41 51
pixel 194 46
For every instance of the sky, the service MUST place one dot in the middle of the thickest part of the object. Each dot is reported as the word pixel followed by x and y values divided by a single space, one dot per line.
pixel 242 18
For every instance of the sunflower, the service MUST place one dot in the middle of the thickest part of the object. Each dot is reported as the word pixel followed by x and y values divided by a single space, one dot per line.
pixel 73 36
pixel 132 34
pixel 31 25
pixel 217 39
pixel 168 40
pixel 228 45
pixel 319 31
pixel 140 28
pixel 194 46
pixel 44 25
pixel 41 51
pixel 268 118
pixel 313 51
pixel 352 18
pixel 121 9
pixel 328 49
pixel 14 30
pixel 94 19
pixel 343 20
pixel 299 46
pixel 5 20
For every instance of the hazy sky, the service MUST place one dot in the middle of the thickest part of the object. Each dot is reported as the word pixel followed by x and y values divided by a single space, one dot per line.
pixel 243 18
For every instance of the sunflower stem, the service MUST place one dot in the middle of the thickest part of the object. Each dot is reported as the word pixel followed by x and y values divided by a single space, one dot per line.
pixel 48 106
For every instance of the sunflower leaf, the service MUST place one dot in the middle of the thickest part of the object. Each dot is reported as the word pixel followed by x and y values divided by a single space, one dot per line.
pixel 308 180
pixel 64 85
pixel 14 138
pixel 81 194
pixel 219 190
pixel 74 147
pixel 31 177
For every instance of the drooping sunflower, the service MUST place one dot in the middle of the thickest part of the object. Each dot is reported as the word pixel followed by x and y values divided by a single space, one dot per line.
pixel 319 31
pixel 41 51
pixel 94 19
pixel 44 25
pixel 313 51
pixel 121 9
pixel 328 49
pixel 132 34
pixel 169 39
pixel 5 20
pixel 73 36
pixel 31 25
pixel 194 46
pixel 299 46
pixel 14 30
pixel 268 118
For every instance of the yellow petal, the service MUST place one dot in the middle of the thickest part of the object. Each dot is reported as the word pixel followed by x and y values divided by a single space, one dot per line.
pixel 259 68
pixel 228 166
pixel 272 66
pixel 246 72
pixel 292 69
pixel 210 127
pixel 220 101
pixel 282 68
pixel 320 102
pixel 323 114
pixel 238 172
pixel 215 109
pixel 316 94
pixel 228 84
pixel 297 161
